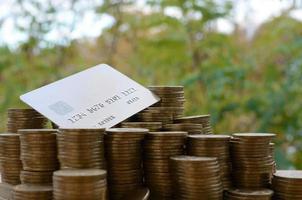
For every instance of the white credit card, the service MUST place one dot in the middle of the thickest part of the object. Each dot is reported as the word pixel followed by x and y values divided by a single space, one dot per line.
pixel 97 97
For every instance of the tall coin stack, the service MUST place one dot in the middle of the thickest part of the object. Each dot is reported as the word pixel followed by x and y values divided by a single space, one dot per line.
pixel 242 194
pixel 24 119
pixel 10 163
pixel 81 148
pixel 158 148
pixel 287 185
pixel 88 184
pixel 217 146
pixel 151 126
pixel 196 178
pixel 252 163
pixel 123 147
pixel 39 159
pixel 204 120
pixel 39 150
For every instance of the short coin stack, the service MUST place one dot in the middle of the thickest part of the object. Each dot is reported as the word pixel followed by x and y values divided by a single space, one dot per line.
pixel 238 194
pixel 123 147
pixel 213 146
pixel 287 184
pixel 81 148
pixel 151 126
pixel 39 150
pixel 158 148
pixel 32 192
pixel 10 163
pixel 252 163
pixel 190 128
pixel 24 119
pixel 196 178
pixel 204 120
pixel 172 99
pixel 71 184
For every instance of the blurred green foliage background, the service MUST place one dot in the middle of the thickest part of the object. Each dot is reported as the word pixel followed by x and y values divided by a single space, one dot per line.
pixel 247 84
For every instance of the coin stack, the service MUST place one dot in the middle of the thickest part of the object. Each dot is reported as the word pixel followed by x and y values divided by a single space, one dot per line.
pixel 287 184
pixel 81 148
pixel 151 126
pixel 243 194
pixel 123 147
pixel 24 119
pixel 217 146
pixel 71 184
pixel 191 128
pixel 196 178
pixel 172 99
pixel 32 192
pixel 39 150
pixel 155 115
pixel 252 163
pixel 10 163
pixel 158 148
pixel 204 120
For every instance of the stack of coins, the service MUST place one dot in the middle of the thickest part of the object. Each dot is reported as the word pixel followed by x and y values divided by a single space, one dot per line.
pixel 153 115
pixel 151 126
pixel 172 99
pixel 70 184
pixel 217 146
pixel 196 178
pixel 24 119
pixel 287 184
pixel 81 148
pixel 191 129
pixel 39 150
pixel 158 148
pixel 32 192
pixel 252 163
pixel 10 163
pixel 204 120
pixel 242 194
pixel 123 147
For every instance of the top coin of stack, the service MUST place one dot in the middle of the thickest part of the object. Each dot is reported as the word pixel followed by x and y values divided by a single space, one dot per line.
pixel 39 149
pixel 196 178
pixel 87 184
pixel 24 119
pixel 204 120
pixel 287 184
pixel 10 163
pixel 252 163
pixel 81 148
pixel 172 98
pixel 238 194
pixel 217 146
